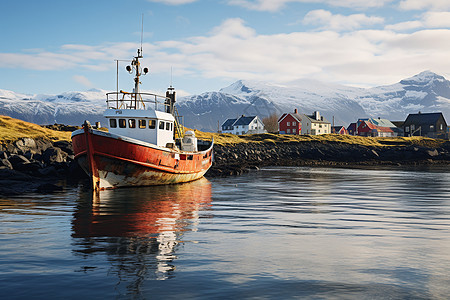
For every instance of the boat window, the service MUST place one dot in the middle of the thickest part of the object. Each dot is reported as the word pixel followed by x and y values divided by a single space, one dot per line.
pixel 167 126
pixel 131 123
pixel 122 123
pixel 152 124
pixel 112 123
pixel 161 125
pixel 171 126
pixel 142 123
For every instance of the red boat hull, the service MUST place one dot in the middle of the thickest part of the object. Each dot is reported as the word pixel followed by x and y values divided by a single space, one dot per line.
pixel 113 161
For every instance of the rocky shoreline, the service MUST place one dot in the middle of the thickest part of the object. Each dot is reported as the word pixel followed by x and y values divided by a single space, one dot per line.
pixel 36 165
pixel 241 158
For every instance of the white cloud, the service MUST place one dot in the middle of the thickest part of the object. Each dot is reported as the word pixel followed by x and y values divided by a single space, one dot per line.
pixel 424 4
pixel 275 5
pixel 173 2
pixel 82 80
pixel 233 51
pixel 427 20
pixel 437 19
pixel 326 20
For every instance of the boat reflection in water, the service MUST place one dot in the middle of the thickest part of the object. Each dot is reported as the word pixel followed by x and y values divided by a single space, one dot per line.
pixel 138 228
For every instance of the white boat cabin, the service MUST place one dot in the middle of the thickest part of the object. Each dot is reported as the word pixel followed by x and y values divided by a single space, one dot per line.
pixel 143 116
pixel 155 127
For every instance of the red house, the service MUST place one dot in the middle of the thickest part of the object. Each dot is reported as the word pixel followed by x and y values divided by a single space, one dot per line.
pixel 290 123
pixel 339 130
pixel 367 128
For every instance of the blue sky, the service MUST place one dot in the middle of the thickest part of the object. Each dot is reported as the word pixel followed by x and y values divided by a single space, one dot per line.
pixel 57 46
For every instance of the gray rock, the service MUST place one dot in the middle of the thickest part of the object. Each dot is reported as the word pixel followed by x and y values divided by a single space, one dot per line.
pixel 26 144
pixel 53 155
pixel 17 159
pixel 433 153
pixel 5 163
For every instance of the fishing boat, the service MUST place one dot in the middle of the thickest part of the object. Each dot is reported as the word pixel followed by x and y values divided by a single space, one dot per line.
pixel 145 143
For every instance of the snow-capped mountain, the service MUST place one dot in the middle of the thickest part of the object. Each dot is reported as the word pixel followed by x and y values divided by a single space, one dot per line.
pixel 425 92
pixel 70 108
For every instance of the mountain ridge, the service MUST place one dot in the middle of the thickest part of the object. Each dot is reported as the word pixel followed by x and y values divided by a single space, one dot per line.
pixel 425 92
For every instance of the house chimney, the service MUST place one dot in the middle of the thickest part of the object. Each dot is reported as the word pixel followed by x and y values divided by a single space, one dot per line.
pixel 295 111
pixel 317 116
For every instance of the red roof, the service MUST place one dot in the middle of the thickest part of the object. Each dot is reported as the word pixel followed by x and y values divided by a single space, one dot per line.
pixel 375 127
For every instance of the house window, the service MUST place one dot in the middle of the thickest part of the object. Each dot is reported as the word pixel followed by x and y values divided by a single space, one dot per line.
pixel 294 131
pixel 431 127
pixel 294 123
pixel 112 123
pixel 122 123
pixel 288 130
pixel 131 123
pixel 288 123
pixel 142 123
pixel 412 127
pixel 161 125
pixel 152 124
pixel 407 129
pixel 442 126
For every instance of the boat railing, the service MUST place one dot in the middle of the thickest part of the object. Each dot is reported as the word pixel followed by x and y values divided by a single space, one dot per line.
pixel 125 100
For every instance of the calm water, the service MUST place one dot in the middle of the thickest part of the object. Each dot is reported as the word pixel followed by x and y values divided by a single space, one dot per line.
pixel 278 233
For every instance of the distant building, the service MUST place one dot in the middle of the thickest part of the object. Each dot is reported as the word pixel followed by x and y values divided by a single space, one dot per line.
pixel 426 124
pixel 315 124
pixel 352 129
pixel 367 128
pixel 339 130
pixel 374 127
pixel 290 123
pixel 243 125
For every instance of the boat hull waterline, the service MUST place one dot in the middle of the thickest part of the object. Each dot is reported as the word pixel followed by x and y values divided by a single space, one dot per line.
pixel 114 161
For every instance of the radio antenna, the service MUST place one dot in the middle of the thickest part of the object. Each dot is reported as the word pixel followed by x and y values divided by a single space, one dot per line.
pixel 142 30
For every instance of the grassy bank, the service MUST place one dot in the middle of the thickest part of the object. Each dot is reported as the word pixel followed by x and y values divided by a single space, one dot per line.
pixel 224 139
pixel 13 129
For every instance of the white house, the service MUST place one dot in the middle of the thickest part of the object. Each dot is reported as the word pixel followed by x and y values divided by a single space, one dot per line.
pixel 315 124
pixel 243 125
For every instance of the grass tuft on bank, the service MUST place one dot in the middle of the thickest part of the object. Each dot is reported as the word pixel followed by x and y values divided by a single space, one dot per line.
pixel 13 129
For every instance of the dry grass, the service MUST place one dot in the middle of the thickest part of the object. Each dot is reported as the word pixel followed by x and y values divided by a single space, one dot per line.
pixel 13 129
pixel 224 139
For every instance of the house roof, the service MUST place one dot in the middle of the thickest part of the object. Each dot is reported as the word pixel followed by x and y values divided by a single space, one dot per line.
pixel 294 115
pixel 313 120
pixel 381 122
pixel 229 122
pixel 352 126
pixel 375 127
pixel 243 120
pixel 423 118
pixel 336 128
